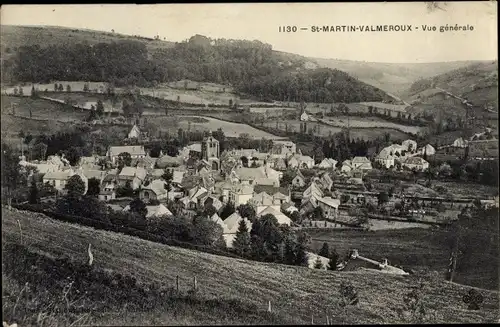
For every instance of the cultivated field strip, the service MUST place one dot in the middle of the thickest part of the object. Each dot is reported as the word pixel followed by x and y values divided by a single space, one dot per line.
pixel 298 292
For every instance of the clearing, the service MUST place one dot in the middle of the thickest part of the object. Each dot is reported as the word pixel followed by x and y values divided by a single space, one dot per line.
pixel 294 291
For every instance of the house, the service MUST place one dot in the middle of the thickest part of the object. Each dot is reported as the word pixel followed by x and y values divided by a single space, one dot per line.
pixel 326 181
pixel 281 194
pixel 135 151
pixel 156 190
pixel 346 166
pixel 330 207
pixel 240 194
pixel 168 161
pixel 108 191
pixel 153 174
pixel 147 162
pixel 177 177
pixel 216 219
pixel 304 117
pixel 312 192
pixel 223 188
pixel 58 179
pixel 231 227
pixel 134 133
pixel 361 163
pixel 415 163
pixel 409 145
pixel 283 147
pixel 154 211
pixel 300 161
pixel 282 218
pixel 428 150
pixel 213 201
pixel 313 257
pixel 134 175
pixel 299 180
pixel 158 211
pixel 385 158
pixel 327 163
pixel 289 208
pixel 277 163
pixel 263 175
pixel 460 143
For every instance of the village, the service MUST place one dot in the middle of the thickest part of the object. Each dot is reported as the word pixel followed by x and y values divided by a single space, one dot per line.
pixel 282 182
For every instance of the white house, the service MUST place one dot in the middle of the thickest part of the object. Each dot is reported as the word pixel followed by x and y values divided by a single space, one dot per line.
pixel 409 145
pixel 263 175
pixel 361 163
pixel 428 150
pixel 134 175
pixel 231 227
pixel 285 147
pixel 385 158
pixel 282 218
pixel 135 151
pixel 327 163
pixel 58 179
pixel 300 161
pixel 460 143
pixel 304 116
pixel 346 166
pixel 416 163
pixel 135 132
pixel 299 180
pixel 108 191
pixel 154 211
pixel 330 207
pixel 156 190
pixel 240 194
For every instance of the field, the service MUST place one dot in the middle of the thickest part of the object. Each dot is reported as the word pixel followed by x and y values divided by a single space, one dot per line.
pixel 41 109
pixel 294 291
pixel 468 190
pixel 370 122
pixel 173 123
pixel 11 126
pixel 325 130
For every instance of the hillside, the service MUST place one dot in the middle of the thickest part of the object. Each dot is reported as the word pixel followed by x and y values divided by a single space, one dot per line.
pixel 250 67
pixel 391 77
pixel 294 292
pixel 443 94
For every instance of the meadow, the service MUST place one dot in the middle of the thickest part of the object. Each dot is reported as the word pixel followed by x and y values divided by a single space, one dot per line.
pixel 295 292
pixel 370 122
pixel 202 123
pixel 326 130
pixel 41 109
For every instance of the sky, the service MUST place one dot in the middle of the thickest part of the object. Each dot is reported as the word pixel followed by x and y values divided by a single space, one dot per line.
pixel 261 21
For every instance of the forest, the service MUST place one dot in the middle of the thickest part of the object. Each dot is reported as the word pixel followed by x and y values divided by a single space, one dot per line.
pixel 251 67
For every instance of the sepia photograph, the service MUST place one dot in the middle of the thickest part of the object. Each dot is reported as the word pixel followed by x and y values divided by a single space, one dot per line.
pixel 250 164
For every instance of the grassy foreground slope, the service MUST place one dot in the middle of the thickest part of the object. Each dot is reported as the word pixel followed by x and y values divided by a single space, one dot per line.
pixel 294 291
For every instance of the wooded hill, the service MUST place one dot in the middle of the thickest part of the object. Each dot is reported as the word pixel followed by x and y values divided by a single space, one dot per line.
pixel 251 67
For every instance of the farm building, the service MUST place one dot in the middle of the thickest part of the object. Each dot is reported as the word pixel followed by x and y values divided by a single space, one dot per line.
pixel 283 147
pixel 330 207
pixel 428 150
pixel 459 143
pixel 58 179
pixel 282 219
pixel 263 175
pixel 108 191
pixel 361 163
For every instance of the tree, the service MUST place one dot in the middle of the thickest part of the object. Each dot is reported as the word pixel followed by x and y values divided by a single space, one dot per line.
pixel 209 210
pixel 21 91
pixel 334 257
pixel 324 251
pixel 246 211
pixel 99 108
pixel 68 88
pixel 382 198
pixel 75 186
pixel 241 243
pixel 34 197
pixel 318 264
pixel 73 155
pixel 93 186
pixel 138 207
pixel 124 160
pixel 56 87
pixel 33 92
pixel 86 87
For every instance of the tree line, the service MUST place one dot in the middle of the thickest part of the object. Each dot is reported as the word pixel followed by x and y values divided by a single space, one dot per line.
pixel 250 67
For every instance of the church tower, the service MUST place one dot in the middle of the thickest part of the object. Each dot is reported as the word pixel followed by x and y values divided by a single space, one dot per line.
pixel 210 151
